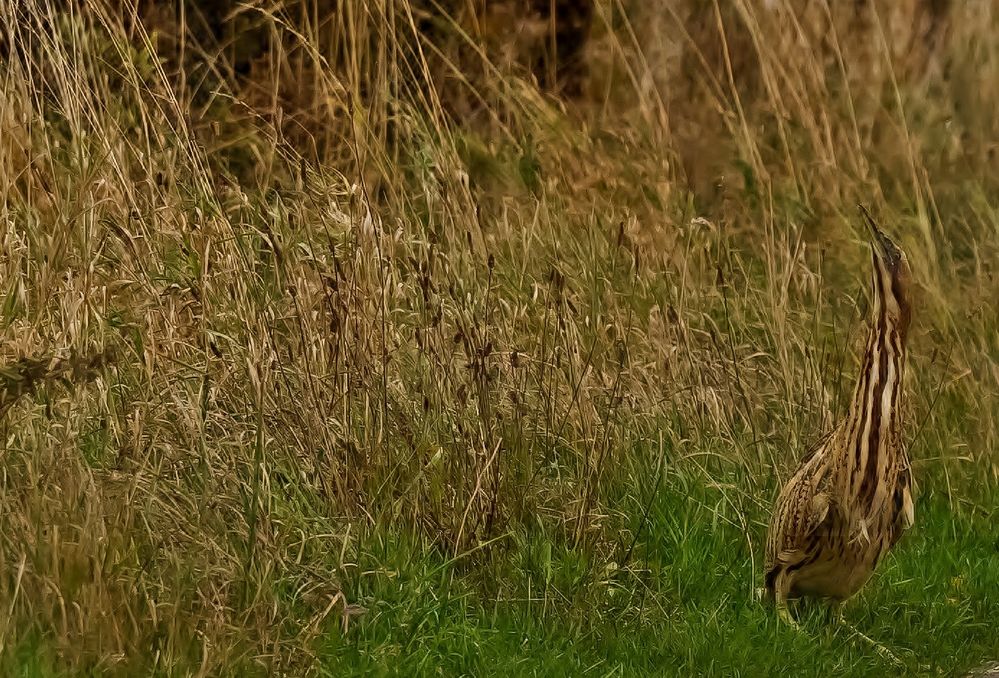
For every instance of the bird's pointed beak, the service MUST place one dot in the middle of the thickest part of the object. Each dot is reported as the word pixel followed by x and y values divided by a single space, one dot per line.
pixel 886 249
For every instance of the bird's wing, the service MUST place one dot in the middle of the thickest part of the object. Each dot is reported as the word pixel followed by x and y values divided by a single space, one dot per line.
pixel 802 509
pixel 903 499
pixel 818 511
pixel 816 446
pixel 908 509
pixel 815 517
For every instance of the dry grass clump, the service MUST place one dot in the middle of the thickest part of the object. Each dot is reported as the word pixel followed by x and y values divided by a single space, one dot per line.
pixel 336 307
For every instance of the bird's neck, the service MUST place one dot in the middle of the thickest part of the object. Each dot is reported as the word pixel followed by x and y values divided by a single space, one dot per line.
pixel 873 425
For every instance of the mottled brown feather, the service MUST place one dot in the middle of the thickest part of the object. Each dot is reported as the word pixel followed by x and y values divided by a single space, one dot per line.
pixel 850 498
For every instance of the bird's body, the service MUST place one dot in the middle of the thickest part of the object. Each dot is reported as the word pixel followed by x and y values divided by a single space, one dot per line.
pixel 850 499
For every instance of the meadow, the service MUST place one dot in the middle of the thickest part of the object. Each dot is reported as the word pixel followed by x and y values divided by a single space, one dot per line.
pixel 337 339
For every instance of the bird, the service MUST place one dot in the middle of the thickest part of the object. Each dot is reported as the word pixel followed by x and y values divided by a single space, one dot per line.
pixel 851 497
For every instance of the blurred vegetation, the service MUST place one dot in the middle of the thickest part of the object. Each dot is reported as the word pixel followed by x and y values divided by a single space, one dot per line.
pixel 476 337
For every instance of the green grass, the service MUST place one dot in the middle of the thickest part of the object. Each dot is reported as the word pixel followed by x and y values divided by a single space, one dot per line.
pixel 389 327
pixel 683 605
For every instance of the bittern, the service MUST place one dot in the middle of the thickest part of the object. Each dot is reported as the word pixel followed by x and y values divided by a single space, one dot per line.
pixel 850 499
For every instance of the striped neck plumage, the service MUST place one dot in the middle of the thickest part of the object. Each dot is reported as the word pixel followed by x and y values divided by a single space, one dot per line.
pixel 875 412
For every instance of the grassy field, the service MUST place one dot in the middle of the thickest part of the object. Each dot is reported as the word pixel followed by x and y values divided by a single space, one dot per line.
pixel 333 345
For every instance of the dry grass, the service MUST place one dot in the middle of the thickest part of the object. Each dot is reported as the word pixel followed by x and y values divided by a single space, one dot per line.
pixel 336 306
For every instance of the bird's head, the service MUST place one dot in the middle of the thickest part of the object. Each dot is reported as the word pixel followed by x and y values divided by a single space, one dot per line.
pixel 892 276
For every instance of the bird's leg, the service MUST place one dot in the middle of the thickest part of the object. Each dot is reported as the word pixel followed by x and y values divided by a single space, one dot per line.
pixel 781 589
pixel 837 609
pixel 784 615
